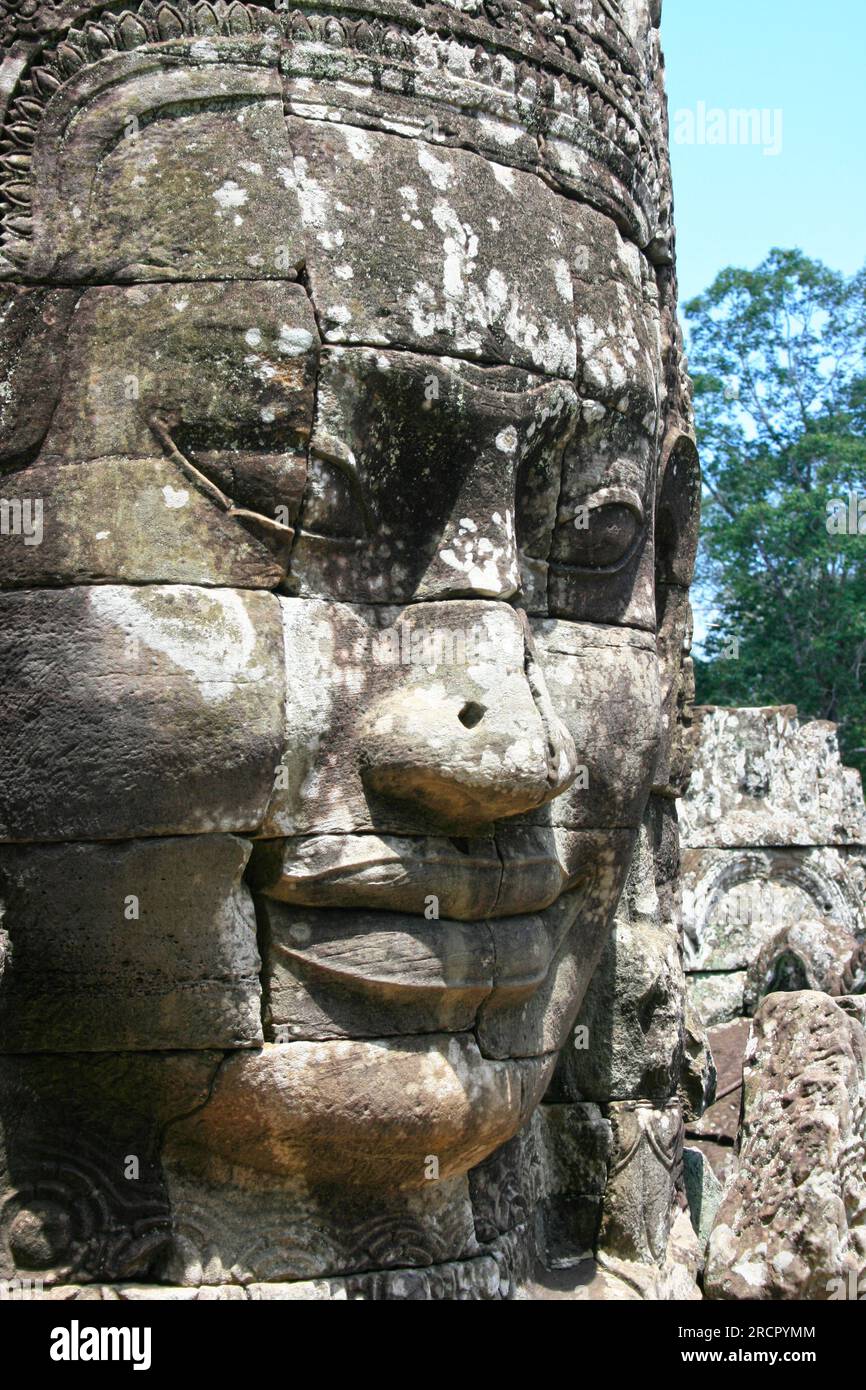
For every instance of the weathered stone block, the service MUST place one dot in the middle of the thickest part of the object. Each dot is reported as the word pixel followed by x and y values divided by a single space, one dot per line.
pixel 811 954
pixel 717 998
pixel 182 170
pixel 399 874
pixel 579 662
pixel 576 930
pixel 763 778
pixel 639 1202
pixel 336 1111
pixel 129 521
pixel 792 1223
pixel 703 1192
pixel 234 1225
pixel 371 749
pixel 462 436
pixel 628 1042
pixel 33 326
pixel 140 946
pixel 373 976
pixel 138 711
pixel 221 368
pixel 83 1196
pixel 736 900
pixel 474 253
pixel 550 1177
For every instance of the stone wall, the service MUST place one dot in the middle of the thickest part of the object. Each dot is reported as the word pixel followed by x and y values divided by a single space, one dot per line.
pixel 774 868
pixel 774 859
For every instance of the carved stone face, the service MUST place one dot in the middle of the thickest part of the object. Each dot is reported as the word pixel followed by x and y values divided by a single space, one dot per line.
pixel 473 706
pixel 349 450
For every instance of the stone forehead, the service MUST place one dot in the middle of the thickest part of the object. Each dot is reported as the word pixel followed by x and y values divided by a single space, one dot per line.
pixel 447 252
pixel 571 101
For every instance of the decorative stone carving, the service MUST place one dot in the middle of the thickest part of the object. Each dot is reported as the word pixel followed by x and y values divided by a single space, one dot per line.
pixel 639 1198
pixel 792 1224
pixel 807 955
pixel 551 1177
pixel 774 830
pixel 343 660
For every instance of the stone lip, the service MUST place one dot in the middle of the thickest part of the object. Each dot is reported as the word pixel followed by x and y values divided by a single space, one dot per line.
pixel 506 963
pixel 394 873
pixel 334 972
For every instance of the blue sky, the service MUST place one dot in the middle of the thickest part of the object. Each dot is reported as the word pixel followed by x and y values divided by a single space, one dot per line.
pixel 733 202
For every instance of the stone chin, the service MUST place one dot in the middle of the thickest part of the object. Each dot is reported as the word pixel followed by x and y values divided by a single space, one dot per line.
pixel 392 1114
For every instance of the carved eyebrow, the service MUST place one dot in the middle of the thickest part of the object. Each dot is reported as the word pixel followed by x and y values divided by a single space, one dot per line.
pixel 159 428
pixel 603 497
pixel 480 377
pixel 642 395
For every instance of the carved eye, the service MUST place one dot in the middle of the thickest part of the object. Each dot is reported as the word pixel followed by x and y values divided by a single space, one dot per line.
pixel 600 533
pixel 334 504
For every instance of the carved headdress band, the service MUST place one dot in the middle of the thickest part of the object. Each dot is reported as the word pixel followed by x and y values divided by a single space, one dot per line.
pixel 566 90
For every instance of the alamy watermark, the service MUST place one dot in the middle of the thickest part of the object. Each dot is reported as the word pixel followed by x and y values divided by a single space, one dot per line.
pixel 408 645
pixel 77 1343
pixel 20 1290
pixel 22 516
pixel 746 904
pixel 758 127
pixel 846 516
pixel 848 1287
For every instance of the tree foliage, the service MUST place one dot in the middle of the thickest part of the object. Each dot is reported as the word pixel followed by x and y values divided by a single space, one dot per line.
pixel 778 359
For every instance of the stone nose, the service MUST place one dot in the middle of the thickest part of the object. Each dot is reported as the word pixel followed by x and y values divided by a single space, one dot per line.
pixel 473 748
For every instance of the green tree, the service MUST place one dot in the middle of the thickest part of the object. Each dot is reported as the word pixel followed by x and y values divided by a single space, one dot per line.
pixel 778 357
